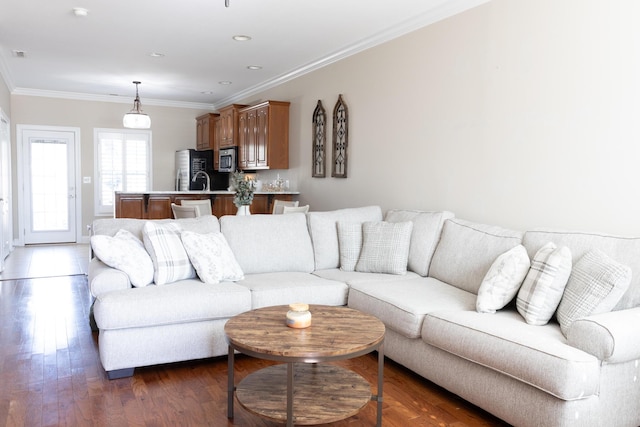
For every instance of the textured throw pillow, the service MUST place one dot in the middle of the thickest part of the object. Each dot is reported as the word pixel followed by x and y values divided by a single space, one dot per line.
pixel 349 244
pixel 385 247
pixel 502 281
pixel 211 256
pixel 595 286
pixel 125 252
pixel 170 260
pixel 542 289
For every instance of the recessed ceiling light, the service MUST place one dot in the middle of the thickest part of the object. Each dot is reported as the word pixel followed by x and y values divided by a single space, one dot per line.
pixel 80 11
pixel 224 82
pixel 156 55
pixel 241 38
pixel 254 67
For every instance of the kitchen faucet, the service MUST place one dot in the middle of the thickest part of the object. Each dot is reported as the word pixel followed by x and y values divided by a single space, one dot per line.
pixel 207 186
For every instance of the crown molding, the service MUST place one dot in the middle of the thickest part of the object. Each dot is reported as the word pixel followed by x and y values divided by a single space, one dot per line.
pixel 109 98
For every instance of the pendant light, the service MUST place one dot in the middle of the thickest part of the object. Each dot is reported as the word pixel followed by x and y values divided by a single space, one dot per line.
pixel 136 119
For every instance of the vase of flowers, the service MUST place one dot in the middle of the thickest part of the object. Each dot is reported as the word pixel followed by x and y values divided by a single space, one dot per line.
pixel 244 193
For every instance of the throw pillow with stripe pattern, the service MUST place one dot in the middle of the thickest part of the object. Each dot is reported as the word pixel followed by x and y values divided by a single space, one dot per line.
pixel 170 261
pixel 544 284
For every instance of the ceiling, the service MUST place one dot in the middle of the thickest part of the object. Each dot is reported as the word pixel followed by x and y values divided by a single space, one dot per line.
pixel 46 50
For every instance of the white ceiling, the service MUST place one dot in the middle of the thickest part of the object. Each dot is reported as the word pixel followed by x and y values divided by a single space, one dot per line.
pixel 98 56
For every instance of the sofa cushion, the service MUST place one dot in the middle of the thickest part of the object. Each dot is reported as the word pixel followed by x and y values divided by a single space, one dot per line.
pixel 503 280
pixel 349 244
pixel 170 261
pixel 269 243
pixel 385 247
pixel 125 252
pixel 595 286
pixel 538 356
pixel 425 235
pixel 544 285
pixel 324 234
pixel 466 251
pixel 211 256
pixel 268 289
pixel 401 305
pixel 180 302
pixel 622 249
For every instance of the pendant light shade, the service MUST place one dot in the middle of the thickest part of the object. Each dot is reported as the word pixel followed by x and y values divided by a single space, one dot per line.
pixel 136 119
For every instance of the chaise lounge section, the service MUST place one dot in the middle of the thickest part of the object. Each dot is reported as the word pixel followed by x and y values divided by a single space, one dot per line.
pixel 584 372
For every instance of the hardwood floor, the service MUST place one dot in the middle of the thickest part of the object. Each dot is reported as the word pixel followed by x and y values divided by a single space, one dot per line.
pixel 50 375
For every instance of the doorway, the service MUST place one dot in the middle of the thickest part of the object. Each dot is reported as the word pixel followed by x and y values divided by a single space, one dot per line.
pixel 49 205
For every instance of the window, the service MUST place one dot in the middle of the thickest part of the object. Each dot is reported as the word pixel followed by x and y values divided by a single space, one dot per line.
pixel 122 163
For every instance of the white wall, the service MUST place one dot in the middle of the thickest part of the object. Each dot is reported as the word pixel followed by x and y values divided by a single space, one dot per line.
pixel 521 114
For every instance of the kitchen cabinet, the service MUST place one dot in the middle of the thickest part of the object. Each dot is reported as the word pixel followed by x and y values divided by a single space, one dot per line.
pixel 157 205
pixel 264 136
pixel 206 132
pixel 130 206
pixel 229 125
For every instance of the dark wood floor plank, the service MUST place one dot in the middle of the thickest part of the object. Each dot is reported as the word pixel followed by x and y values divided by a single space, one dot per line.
pixel 50 374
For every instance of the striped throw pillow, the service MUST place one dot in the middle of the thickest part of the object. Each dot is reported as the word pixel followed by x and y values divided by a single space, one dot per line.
pixel 544 284
pixel 170 261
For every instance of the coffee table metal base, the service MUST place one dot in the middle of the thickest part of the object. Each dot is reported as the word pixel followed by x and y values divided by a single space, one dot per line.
pixel 270 392
pixel 323 393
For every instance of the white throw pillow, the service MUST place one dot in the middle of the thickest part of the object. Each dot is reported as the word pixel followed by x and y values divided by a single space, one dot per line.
pixel 595 286
pixel 542 289
pixel 385 247
pixel 170 260
pixel 212 257
pixel 125 252
pixel 350 244
pixel 502 281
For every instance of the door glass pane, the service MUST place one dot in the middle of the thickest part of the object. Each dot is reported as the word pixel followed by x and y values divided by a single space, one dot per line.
pixel 49 185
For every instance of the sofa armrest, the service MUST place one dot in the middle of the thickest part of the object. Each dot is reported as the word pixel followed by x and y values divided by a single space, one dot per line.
pixel 103 278
pixel 612 337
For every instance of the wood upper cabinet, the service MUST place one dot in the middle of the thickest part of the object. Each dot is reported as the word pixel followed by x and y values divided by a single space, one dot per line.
pixel 206 132
pixel 264 136
pixel 229 125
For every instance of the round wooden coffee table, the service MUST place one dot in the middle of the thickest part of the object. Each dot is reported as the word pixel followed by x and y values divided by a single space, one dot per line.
pixel 321 393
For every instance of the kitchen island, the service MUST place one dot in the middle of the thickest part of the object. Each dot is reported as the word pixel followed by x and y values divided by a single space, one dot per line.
pixel 157 204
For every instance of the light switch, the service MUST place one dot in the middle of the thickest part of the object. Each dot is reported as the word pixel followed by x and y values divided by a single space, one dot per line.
pixel 86 180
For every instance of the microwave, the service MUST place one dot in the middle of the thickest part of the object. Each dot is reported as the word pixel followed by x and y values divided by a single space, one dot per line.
pixel 227 160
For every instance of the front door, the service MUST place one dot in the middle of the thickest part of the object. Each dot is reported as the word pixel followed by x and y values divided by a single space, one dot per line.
pixel 49 179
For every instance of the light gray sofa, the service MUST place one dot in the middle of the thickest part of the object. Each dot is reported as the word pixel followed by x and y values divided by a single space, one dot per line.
pixel 526 375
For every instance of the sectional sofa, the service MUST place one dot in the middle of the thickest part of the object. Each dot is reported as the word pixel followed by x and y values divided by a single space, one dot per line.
pixel 540 328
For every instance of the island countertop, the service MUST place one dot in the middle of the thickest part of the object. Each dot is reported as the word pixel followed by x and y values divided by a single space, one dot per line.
pixel 157 204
